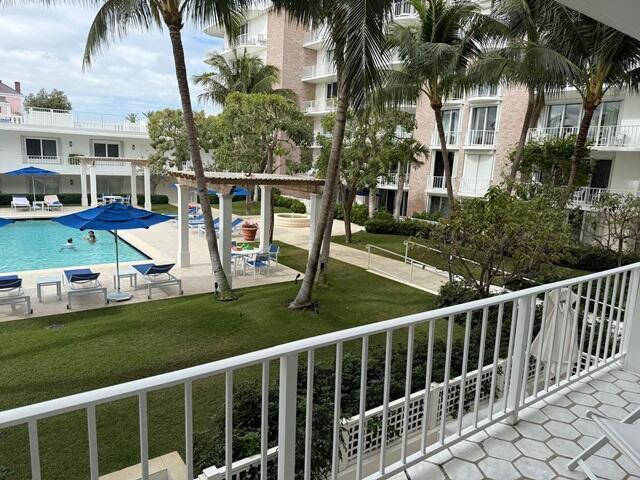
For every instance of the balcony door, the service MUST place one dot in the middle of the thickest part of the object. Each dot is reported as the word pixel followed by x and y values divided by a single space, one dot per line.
pixel 601 174
pixel 483 125
pixel 437 181
pixel 478 168
pixel 450 123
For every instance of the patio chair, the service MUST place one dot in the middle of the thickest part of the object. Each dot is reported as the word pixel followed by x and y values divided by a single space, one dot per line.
pixel 83 281
pixel 259 262
pixel 12 293
pixel 20 202
pixel 623 434
pixel 157 276
pixel 52 201
pixel 126 200
pixel 199 225
pixel 274 251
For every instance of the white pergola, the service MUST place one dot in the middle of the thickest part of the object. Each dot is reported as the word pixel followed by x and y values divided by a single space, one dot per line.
pixel 92 162
pixel 223 183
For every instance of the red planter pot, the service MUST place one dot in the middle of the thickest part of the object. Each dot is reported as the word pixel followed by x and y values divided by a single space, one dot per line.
pixel 249 233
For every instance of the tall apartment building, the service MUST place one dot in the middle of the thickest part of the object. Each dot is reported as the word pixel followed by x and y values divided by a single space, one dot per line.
pixel 482 128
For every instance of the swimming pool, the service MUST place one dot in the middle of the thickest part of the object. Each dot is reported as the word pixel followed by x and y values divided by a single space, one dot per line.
pixel 37 245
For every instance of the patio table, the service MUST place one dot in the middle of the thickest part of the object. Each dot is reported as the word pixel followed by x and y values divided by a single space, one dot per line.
pixel 112 199
pixel 243 255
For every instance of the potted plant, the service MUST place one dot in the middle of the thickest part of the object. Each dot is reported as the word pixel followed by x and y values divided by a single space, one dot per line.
pixel 249 230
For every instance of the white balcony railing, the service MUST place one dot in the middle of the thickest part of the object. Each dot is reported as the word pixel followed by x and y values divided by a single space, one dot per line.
pixel 403 10
pixel 320 105
pixel 586 197
pixel 248 40
pixel 480 138
pixel 592 331
pixel 314 36
pixel 616 136
pixel 67 119
pixel 391 181
pixel 452 138
pixel 435 182
pixel 318 71
pixel 473 187
pixel 519 361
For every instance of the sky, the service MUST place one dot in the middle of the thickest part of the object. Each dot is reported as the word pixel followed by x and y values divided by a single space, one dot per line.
pixel 42 48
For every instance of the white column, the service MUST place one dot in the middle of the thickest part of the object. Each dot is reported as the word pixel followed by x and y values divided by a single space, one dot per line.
pixel 314 212
pixel 83 185
pixel 224 238
pixel 265 217
pixel 287 404
pixel 94 185
pixel 183 257
pixel 631 324
pixel 134 185
pixel 147 188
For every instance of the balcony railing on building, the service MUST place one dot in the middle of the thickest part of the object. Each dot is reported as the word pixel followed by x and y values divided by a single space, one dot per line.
pixel 615 136
pixel 436 183
pixel 452 138
pixel 319 105
pixel 473 187
pixel 480 138
pixel 247 40
pixel 391 181
pixel 451 389
pixel 320 70
pixel 67 119
pixel 403 10
pixel 314 36
pixel 587 197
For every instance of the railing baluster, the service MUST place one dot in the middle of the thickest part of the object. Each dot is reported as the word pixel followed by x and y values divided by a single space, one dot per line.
pixel 563 338
pixel 583 333
pixel 427 387
pixel 228 424
pixel 593 323
pixel 526 305
pixel 308 427
pixel 536 375
pixel 550 350
pixel 335 463
pixel 287 408
pixel 465 360
pixel 144 434
pixel 507 375
pixel 188 427
pixel 574 331
pixel 93 442
pixel 612 314
pixel 496 358
pixel 264 422
pixel 362 434
pixel 603 314
pixel 385 400
pixel 525 369
pixel 407 391
pixel 447 376
pixel 34 449
pixel 617 346
pixel 483 338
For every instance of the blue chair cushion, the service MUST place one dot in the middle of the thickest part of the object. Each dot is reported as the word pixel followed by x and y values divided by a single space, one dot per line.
pixel 81 275
pixel 9 282
pixel 153 269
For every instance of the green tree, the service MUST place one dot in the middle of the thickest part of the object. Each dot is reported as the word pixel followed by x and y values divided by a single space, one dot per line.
pixel 614 222
pixel 55 99
pixel 435 55
pixel 116 18
pixel 605 59
pixel 356 35
pixel 244 74
pixel 131 117
pixel 507 236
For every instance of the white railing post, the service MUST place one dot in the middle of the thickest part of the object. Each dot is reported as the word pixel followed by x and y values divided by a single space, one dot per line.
pixel 519 359
pixel 632 325
pixel 287 417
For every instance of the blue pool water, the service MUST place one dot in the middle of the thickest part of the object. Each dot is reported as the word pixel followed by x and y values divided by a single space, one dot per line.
pixel 37 245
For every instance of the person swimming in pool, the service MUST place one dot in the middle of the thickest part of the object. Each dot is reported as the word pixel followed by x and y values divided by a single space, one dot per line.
pixel 68 246
pixel 91 238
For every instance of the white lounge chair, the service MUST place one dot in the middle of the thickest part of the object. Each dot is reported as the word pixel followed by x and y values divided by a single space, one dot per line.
pixel 20 202
pixel 12 293
pixel 157 276
pixel 623 434
pixel 83 281
pixel 52 201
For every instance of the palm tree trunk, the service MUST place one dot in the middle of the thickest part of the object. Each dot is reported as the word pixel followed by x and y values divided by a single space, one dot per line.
pixel 194 149
pixel 397 204
pixel 350 197
pixel 325 251
pixel 303 299
pixel 437 110
pixel 581 140
pixel 372 201
pixel 517 158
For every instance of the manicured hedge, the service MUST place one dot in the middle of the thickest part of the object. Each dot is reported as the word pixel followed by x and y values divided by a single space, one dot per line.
pixel 76 198
pixel 434 216
pixel 293 204
pixel 385 223
pixel 594 258
pixel 359 213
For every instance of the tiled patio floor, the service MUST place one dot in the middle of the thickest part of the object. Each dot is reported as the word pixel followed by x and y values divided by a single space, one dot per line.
pixel 548 435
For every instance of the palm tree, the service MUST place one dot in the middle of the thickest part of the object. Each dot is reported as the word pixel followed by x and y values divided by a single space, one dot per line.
pixel 605 59
pixel 356 34
pixel 117 17
pixel 244 74
pixel 527 60
pixel 435 56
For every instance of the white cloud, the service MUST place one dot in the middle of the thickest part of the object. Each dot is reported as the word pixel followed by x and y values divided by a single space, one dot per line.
pixel 43 48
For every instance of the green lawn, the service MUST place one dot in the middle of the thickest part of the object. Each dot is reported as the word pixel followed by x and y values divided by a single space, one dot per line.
pixel 395 243
pixel 239 207
pixel 112 345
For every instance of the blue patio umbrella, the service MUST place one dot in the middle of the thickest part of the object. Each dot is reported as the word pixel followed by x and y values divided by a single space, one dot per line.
pixel 4 222
pixel 32 172
pixel 114 217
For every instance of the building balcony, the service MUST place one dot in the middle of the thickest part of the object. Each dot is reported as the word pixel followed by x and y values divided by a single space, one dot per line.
pixel 508 398
pixel 473 187
pixel 254 10
pixel 323 72
pixel 319 106
pixel 480 139
pixel 605 138
pixel 452 138
pixel 390 182
pixel 586 197
pixel 436 184
pixel 485 93
pixel 314 39
pixel 403 12
pixel 252 43
pixel 66 165
pixel 66 120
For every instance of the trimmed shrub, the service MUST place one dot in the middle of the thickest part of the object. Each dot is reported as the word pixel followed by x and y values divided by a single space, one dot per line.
pixel 433 216
pixel 384 222
pixel 293 204
pixel 359 213
pixel 594 258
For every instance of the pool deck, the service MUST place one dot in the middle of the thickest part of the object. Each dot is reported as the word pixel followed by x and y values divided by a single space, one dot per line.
pixel 159 243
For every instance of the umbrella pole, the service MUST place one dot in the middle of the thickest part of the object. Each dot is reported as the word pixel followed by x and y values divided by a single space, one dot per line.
pixel 117 262
pixel 33 187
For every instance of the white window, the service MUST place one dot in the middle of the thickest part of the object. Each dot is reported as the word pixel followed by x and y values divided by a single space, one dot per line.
pixel 568 116
pixel 476 177
pixel 332 90
pixel 106 149
pixel 482 128
pixel 41 147
pixel 486 91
